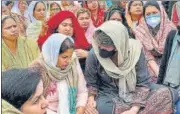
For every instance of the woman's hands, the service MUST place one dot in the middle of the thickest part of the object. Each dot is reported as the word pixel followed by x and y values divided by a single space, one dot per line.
pixel 81 53
pixel 133 110
pixel 44 28
pixel 91 106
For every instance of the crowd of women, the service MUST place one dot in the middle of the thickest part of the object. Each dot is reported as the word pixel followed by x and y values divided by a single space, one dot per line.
pixel 90 57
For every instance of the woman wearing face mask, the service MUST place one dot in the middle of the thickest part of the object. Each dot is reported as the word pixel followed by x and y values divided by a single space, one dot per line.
pixel 19 12
pixel 133 13
pixel 36 15
pixel 153 33
pixel 64 84
pixel 117 76
pixel 24 97
pixel 17 50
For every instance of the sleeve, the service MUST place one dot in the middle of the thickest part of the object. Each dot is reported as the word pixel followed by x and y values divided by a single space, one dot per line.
pixel 91 75
pixel 82 93
pixel 34 48
pixel 165 57
pixel 142 72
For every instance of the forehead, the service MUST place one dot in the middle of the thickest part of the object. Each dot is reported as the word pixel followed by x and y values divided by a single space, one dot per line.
pixel 151 8
pixel 8 22
pixel 67 20
pixel 39 5
pixel 83 14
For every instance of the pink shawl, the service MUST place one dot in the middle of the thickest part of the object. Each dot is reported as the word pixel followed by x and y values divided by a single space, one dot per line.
pixel 149 42
pixel 89 32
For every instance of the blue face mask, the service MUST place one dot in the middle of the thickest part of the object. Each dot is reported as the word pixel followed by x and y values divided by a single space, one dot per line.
pixel 153 20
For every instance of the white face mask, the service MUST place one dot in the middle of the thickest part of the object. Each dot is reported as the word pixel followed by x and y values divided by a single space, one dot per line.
pixel 153 20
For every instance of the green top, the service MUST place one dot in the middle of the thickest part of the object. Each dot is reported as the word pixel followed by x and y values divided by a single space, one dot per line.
pixel 27 51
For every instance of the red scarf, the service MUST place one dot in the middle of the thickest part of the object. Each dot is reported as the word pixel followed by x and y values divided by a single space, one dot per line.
pixel 100 16
pixel 80 41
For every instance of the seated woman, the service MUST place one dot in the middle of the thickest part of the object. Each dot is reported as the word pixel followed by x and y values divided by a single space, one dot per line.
pixel 133 13
pixel 169 73
pixel 64 83
pixel 17 51
pixel 36 15
pixel 66 23
pixel 97 13
pixel 152 33
pixel 117 76
pixel 19 12
pixel 116 13
pixel 54 7
pixel 84 18
pixel 22 92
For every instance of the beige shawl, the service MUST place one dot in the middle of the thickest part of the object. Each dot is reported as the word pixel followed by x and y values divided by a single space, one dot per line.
pixel 129 51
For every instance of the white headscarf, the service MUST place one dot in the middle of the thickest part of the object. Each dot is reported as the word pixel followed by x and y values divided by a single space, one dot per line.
pixel 31 18
pixel 15 9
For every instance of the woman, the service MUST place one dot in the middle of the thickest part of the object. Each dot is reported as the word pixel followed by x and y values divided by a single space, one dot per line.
pixel 176 14
pixel 169 74
pixel 19 12
pixel 66 23
pixel 117 77
pixel 84 18
pixel 24 97
pixel 36 15
pixel 4 10
pixel 116 13
pixel 54 7
pixel 17 51
pixel 65 87
pixel 97 14
pixel 152 32
pixel 70 6
pixel 133 13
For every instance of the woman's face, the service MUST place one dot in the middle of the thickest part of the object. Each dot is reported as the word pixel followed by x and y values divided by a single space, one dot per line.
pixel 123 4
pixel 37 104
pixel 136 8
pixel 66 27
pixel 10 30
pixel 92 5
pixel 151 10
pixel 84 20
pixel 5 10
pixel 39 12
pixel 22 5
pixel 64 59
pixel 54 9
pixel 116 16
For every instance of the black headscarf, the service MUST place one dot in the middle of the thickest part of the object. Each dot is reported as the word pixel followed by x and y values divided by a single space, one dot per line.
pixel 118 9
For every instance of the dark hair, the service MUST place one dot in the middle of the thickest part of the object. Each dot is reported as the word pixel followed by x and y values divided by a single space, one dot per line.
pixel 130 3
pixel 18 85
pixel 151 3
pixel 37 3
pixel 8 2
pixel 56 4
pixel 5 18
pixel 67 44
pixel 178 27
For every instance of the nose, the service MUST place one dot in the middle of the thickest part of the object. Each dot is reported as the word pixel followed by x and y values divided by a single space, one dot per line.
pixel 68 28
pixel 44 103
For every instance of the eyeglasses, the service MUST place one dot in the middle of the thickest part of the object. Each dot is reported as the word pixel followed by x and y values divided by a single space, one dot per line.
pixel 55 9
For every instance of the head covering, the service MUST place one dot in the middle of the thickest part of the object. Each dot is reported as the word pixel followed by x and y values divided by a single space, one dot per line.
pixel 48 60
pixel 15 8
pixel 100 15
pixel 128 53
pixel 78 36
pixel 150 42
pixel 118 9
pixel 9 109
pixel 150 3
pixel 30 16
